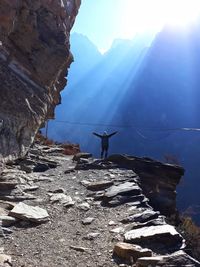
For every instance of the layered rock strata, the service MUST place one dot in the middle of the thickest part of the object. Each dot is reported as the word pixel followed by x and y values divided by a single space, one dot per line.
pixel 34 58
pixel 158 180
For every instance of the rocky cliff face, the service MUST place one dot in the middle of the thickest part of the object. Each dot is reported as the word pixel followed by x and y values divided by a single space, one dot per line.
pixel 158 181
pixel 34 58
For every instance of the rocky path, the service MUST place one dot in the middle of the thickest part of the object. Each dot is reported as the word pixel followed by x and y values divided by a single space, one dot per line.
pixel 90 213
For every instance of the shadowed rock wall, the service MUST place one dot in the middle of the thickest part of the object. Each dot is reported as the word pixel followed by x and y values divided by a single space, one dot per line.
pixel 34 58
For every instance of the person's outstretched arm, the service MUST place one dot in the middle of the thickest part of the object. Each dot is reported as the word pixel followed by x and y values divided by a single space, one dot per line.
pixel 98 135
pixel 112 134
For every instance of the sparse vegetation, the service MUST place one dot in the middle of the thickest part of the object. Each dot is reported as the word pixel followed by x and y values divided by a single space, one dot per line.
pixel 172 159
pixel 68 149
pixel 191 233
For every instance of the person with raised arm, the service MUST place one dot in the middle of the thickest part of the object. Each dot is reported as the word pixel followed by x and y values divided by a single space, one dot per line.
pixel 104 142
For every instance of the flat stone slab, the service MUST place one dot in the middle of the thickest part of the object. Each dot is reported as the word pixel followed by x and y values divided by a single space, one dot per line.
pixel 149 261
pixel 142 217
pixel 130 252
pixel 7 185
pixel 122 189
pixel 179 258
pixel 7 221
pixel 100 185
pixel 30 213
pixel 31 188
pixel 121 199
pixel 161 234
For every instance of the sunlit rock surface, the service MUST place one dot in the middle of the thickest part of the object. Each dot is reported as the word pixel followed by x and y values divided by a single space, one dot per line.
pixel 34 58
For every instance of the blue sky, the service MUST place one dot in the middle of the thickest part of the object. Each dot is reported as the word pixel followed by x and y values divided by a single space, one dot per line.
pixel 102 21
pixel 98 19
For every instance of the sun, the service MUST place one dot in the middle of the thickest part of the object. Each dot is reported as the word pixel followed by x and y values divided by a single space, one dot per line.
pixel 152 15
pixel 180 12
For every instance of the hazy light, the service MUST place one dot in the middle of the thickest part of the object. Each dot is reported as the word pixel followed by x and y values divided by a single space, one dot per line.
pixel 145 15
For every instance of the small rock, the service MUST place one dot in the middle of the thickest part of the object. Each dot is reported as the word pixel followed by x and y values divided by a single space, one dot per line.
pixel 44 179
pixel 7 220
pixel 130 252
pixel 118 230
pixel 7 231
pixel 100 185
pixel 62 198
pixel 85 182
pixel 77 199
pixel 68 204
pixel 31 188
pixel 69 170
pixel 148 261
pixel 80 249
pixel 88 220
pixel 78 156
pixel 30 213
pixel 58 190
pixel 112 223
pixel 92 236
pixel 84 206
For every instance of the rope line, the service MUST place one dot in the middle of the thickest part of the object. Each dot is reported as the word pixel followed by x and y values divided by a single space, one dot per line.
pixel 129 126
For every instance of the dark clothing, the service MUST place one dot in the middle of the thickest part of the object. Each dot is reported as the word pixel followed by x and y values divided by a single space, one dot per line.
pixel 104 143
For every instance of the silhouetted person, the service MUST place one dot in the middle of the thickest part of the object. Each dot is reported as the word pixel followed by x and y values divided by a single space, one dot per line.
pixel 104 142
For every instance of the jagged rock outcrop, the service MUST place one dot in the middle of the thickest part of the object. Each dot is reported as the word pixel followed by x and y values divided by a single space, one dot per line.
pixel 34 58
pixel 158 180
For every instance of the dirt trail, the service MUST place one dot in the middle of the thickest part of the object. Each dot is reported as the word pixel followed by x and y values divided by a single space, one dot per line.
pixel 89 212
pixel 49 244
